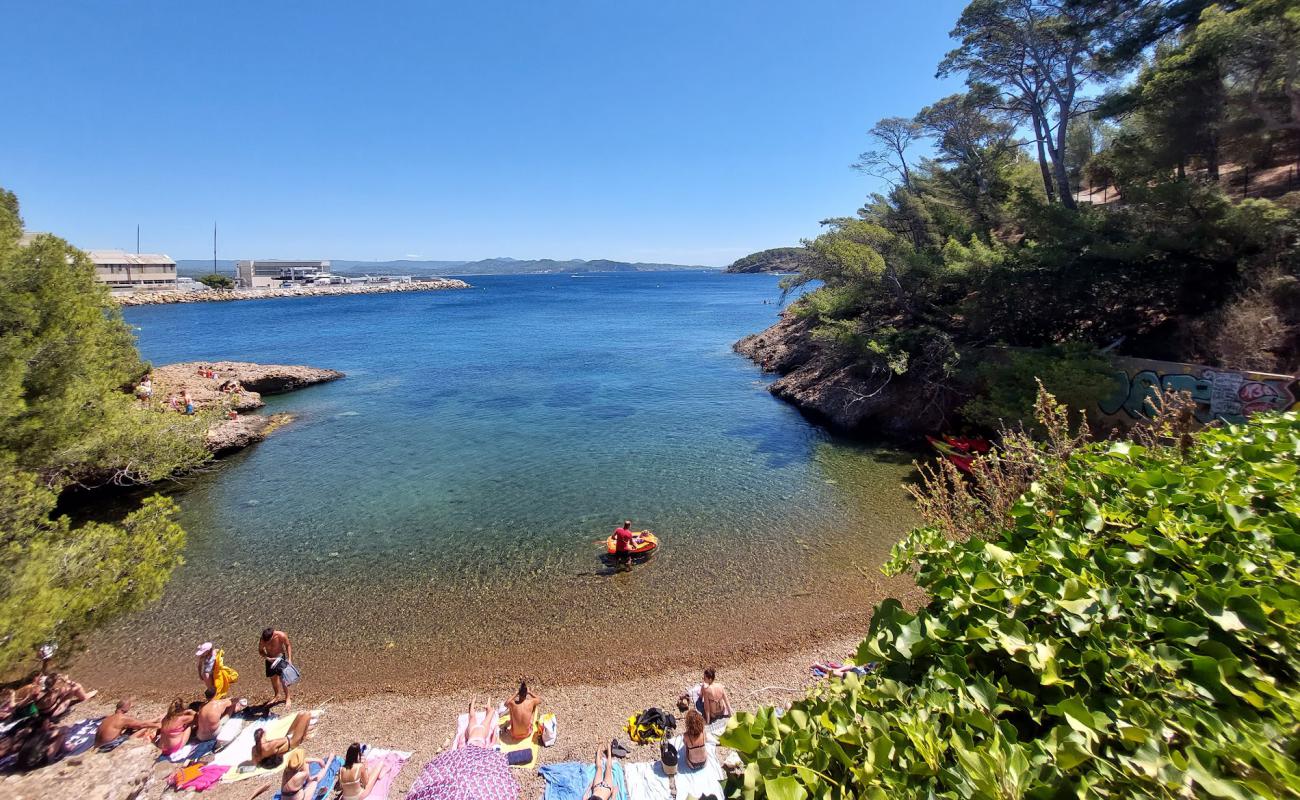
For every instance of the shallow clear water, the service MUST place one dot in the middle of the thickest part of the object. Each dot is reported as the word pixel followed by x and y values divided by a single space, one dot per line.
pixel 452 488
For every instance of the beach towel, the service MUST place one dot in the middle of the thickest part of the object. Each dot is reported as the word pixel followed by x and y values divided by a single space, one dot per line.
pixel 466 773
pixel 326 785
pixel 81 737
pixel 520 753
pixel 205 779
pixel 222 676
pixel 240 752
pixel 191 752
pixel 696 783
pixel 391 763
pixel 229 731
pixel 569 780
pixel 462 727
pixel 647 781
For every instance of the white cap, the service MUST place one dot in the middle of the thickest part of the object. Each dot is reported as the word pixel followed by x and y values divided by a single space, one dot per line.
pixel 203 648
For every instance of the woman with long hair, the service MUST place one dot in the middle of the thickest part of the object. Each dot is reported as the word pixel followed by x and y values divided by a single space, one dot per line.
pixel 356 779
pixel 693 740
pixel 176 727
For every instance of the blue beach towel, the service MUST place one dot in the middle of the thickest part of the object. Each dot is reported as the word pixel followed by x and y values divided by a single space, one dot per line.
pixel 569 780
pixel 326 786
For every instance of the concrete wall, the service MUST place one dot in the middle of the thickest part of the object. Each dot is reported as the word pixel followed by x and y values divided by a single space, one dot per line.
pixel 1229 395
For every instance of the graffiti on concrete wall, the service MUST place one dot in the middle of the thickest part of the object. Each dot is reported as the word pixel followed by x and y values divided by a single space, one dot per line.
pixel 1219 394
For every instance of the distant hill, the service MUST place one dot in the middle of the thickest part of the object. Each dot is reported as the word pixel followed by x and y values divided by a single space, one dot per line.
pixel 487 266
pixel 778 259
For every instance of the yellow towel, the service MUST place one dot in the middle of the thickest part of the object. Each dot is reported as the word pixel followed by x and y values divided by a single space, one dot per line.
pixel 222 676
pixel 507 745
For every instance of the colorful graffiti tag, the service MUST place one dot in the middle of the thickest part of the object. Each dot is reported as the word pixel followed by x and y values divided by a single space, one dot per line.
pixel 1219 394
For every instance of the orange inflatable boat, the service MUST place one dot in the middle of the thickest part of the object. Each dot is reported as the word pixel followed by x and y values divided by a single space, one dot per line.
pixel 648 543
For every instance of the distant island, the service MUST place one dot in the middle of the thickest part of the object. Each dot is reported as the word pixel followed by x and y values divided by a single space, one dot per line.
pixel 777 259
pixel 487 266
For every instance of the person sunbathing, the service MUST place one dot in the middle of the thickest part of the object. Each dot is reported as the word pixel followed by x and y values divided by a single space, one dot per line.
pixel 120 724
pixel 693 740
pixel 523 713
pixel 296 782
pixel 479 729
pixel 356 780
pixel 212 714
pixel 268 753
pixel 176 727
pixel 58 694
pixel 602 783
pixel 713 696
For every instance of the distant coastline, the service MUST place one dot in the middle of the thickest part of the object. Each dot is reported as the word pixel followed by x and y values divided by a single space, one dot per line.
pixel 221 296
pixel 486 266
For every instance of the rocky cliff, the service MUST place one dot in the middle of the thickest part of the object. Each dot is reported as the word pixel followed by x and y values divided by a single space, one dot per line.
pixel 124 774
pixel 845 395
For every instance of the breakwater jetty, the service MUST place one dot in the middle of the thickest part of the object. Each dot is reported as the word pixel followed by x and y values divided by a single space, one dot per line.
pixel 222 295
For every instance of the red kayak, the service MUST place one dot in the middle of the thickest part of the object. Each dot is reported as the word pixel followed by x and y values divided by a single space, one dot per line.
pixel 961 450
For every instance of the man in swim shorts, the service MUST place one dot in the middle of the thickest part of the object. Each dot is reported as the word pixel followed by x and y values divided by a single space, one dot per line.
pixel 276 649
pixel 121 724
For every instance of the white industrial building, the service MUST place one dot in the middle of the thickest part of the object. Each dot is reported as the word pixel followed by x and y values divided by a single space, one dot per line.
pixel 270 273
pixel 128 273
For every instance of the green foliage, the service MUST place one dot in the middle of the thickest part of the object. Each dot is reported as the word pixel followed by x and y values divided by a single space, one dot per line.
pixel 67 362
pixel 1132 630
pixel 216 281
pixel 60 581
pixel 1009 385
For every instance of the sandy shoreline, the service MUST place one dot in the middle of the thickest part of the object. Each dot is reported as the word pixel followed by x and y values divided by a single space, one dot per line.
pixel 589 713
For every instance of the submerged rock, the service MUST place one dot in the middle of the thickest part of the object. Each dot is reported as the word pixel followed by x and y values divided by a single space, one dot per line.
pixel 841 392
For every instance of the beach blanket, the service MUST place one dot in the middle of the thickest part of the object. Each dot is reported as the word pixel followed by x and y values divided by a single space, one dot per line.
pixel 699 782
pixel 205 779
pixel 191 752
pixel 517 750
pixel 326 785
pixel 390 763
pixel 81 737
pixel 647 781
pixel 238 756
pixel 493 722
pixel 569 780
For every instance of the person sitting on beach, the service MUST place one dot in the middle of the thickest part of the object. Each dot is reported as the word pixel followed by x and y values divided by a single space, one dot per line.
pixel 59 694
pixel 145 390
pixel 523 713
pixel 625 539
pixel 713 696
pixel 602 783
pixel 212 714
pixel 267 753
pixel 176 727
pixel 120 724
pixel 356 780
pixel 480 728
pixel 296 782
pixel 693 740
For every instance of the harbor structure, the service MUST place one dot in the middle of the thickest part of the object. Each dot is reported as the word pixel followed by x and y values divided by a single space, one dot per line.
pixel 129 273
pixel 270 273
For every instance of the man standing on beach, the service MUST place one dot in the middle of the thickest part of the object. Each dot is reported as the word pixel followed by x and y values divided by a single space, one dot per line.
pixel 278 652
pixel 713 696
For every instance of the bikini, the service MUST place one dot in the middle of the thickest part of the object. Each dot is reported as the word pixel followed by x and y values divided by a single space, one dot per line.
pixel 356 782
pixel 693 764
pixel 178 745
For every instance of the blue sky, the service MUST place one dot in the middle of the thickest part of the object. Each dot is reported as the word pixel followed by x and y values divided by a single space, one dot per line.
pixel 689 132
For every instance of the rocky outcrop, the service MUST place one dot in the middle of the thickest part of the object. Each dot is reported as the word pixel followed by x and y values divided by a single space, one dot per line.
pixel 843 394
pixel 123 774
pixel 220 296
pixel 255 380
pixel 778 259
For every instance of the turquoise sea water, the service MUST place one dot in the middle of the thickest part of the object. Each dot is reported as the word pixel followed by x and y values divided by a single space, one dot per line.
pixel 452 488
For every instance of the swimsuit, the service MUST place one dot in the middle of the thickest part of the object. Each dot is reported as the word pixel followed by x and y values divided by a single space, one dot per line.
pixel 344 784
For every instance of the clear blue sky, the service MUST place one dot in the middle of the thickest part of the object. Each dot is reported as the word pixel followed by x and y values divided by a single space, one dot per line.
pixel 688 131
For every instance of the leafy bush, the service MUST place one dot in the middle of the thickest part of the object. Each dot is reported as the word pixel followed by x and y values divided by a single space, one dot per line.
pixel 1131 628
pixel 1008 385
pixel 216 281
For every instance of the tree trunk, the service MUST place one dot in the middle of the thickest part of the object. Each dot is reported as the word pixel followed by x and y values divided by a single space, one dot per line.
pixel 1039 134
pixel 1058 158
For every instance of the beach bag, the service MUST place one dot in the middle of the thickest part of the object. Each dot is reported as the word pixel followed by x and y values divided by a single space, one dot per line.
pixel 650 725
pixel 668 757
pixel 289 673
pixel 550 730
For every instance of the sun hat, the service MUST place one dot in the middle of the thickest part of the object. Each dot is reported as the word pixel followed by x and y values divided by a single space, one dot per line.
pixel 203 648
pixel 296 758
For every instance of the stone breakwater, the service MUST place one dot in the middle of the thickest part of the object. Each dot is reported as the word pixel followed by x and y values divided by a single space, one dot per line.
pixel 222 296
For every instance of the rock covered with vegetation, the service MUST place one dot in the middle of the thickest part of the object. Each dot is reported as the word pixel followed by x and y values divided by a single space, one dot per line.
pixel 777 259
pixel 983 241
pixel 1115 619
